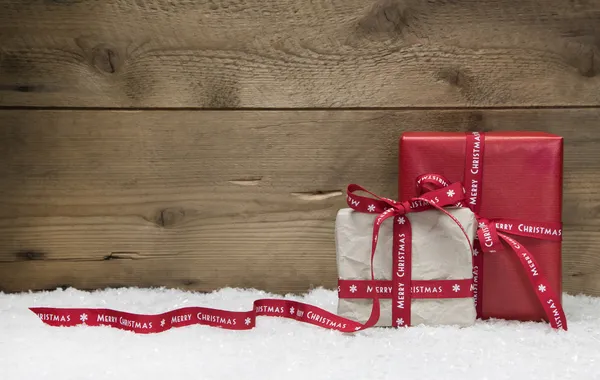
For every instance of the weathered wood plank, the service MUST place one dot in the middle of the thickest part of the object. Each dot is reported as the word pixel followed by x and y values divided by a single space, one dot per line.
pixel 288 53
pixel 241 198
pixel 284 263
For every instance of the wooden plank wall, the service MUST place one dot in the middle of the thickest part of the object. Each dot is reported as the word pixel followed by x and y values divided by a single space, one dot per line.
pixel 202 144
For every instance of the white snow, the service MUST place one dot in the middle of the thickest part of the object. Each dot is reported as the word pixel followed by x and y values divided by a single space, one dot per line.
pixel 285 349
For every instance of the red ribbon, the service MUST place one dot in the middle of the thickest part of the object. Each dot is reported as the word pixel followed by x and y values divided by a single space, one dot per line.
pixel 490 239
pixel 230 320
pixel 419 289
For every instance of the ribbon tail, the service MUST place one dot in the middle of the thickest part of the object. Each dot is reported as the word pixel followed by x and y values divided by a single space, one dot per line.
pixel 544 292
pixel 478 278
pixel 225 319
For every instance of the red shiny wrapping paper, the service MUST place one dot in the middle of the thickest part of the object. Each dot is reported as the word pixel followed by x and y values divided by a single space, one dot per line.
pixel 522 179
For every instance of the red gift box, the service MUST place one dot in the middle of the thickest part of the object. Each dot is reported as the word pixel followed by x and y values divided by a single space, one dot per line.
pixel 513 181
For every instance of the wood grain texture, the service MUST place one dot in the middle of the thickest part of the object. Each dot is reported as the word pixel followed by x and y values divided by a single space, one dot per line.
pixel 202 200
pixel 299 54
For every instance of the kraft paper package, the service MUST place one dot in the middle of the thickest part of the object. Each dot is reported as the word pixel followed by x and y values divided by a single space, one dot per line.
pixel 440 251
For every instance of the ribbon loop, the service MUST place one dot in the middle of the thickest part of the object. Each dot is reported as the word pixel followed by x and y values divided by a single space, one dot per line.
pixel 430 182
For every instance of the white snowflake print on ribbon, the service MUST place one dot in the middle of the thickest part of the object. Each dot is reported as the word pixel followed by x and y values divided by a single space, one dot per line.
pixel 353 288
pixel 371 208
pixel 481 225
pixel 247 321
pixel 400 322
pixel 162 323
pixel 455 288
pixel 292 310
pixel 83 317
pixel 475 252
pixel 401 220
pixel 450 193
pixel 542 288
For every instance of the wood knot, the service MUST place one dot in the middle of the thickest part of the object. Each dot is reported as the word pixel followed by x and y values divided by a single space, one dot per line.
pixel 24 88
pixel 30 255
pixel 454 77
pixel 387 16
pixel 589 66
pixel 222 94
pixel 169 217
pixel 106 59
pixel 475 122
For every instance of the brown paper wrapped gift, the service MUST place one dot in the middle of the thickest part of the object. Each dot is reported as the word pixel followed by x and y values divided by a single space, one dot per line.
pixel 439 252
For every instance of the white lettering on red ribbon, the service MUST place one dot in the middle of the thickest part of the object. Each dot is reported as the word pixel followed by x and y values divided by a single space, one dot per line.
pixel 555 313
pixel 400 271
pixel 432 177
pixel 487 237
pixel 401 297
pixel 475 283
pixel 547 231
pixel 473 173
pixel 539 230
pixel 473 193
pixel 106 318
pixel 420 289
pixel 504 226
pixel 418 203
pixel 54 318
pixel 426 289
pixel 181 318
pixel 270 309
pixel 531 264
pixel 475 153
pixel 324 321
pixel 135 324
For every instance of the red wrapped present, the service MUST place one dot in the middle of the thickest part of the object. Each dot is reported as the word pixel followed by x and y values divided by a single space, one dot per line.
pixel 513 182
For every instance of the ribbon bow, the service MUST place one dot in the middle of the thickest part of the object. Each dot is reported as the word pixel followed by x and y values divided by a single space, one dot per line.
pixel 450 195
